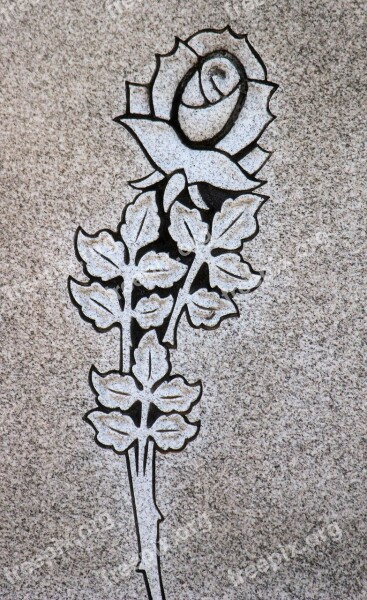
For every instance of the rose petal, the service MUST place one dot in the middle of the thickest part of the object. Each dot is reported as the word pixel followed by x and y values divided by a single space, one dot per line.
pixel 219 77
pixel 192 95
pixel 171 70
pixel 254 160
pixel 137 98
pixel 210 41
pixel 200 124
pixel 254 117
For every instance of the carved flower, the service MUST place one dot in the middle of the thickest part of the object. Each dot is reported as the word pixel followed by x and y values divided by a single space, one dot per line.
pixel 202 113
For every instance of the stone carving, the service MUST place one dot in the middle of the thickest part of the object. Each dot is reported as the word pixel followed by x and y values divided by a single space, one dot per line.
pixel 177 249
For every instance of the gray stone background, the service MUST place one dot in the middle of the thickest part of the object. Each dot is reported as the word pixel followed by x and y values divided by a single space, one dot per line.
pixel 281 454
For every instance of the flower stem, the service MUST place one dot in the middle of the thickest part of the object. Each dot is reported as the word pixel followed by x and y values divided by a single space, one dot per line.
pixel 141 468
pixel 126 325
pixel 147 516
pixel 182 298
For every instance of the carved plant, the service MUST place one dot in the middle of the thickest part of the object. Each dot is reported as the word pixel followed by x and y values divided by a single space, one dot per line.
pixel 178 249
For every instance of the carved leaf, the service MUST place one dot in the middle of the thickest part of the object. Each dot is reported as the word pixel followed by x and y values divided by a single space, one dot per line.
pixel 150 360
pixel 151 312
pixel 102 255
pixel 187 228
pixel 235 222
pixel 114 430
pixel 98 304
pixel 208 308
pixel 229 272
pixel 176 395
pixel 115 390
pixel 176 184
pixel 142 222
pixel 172 432
pixel 159 270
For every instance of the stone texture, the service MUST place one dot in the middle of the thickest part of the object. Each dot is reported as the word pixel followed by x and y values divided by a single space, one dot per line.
pixel 282 446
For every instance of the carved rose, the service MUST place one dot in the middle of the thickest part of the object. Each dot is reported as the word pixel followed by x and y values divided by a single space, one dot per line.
pixel 198 122
pixel 210 98
pixel 203 112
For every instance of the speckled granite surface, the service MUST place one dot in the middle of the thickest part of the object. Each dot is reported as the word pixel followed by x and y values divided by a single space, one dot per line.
pixel 269 502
